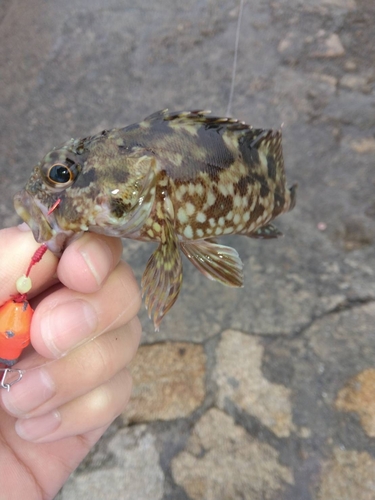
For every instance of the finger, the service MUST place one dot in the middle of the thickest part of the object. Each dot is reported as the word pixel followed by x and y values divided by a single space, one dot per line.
pixel 50 386
pixel 94 410
pixel 16 249
pixel 66 318
pixel 87 262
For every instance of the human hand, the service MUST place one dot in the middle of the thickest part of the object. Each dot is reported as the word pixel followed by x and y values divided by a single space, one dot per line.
pixel 69 395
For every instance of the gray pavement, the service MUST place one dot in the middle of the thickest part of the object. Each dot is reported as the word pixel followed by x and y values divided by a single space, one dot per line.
pixel 265 392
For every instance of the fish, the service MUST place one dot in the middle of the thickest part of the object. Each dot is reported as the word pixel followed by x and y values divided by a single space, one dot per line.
pixel 181 179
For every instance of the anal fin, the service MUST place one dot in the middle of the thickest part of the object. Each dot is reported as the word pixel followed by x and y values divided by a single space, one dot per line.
pixel 162 278
pixel 267 232
pixel 216 262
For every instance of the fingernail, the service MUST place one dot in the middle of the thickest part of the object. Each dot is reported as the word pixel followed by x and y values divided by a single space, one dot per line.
pixel 67 325
pixel 36 388
pixel 35 428
pixel 97 254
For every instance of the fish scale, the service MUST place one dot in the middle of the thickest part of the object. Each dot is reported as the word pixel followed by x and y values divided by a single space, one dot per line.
pixel 179 178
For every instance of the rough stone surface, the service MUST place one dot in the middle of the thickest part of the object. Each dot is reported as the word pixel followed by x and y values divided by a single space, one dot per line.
pixel 134 473
pixel 168 382
pixel 355 82
pixel 332 348
pixel 363 146
pixel 318 6
pixel 73 68
pixel 240 380
pixel 216 448
pixel 359 396
pixel 329 46
pixel 349 475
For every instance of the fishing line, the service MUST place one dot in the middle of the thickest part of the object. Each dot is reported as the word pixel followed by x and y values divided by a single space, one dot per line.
pixel 234 68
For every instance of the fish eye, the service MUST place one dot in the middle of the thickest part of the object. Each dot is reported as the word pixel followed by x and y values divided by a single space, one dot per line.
pixel 60 173
pixel 63 173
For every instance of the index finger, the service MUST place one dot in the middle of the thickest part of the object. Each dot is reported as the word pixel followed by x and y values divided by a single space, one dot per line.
pixel 87 262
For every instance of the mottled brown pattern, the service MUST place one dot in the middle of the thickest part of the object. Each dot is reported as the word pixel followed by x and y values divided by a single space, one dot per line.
pixel 180 178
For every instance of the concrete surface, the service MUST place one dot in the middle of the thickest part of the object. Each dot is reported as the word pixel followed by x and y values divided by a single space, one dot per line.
pixel 286 365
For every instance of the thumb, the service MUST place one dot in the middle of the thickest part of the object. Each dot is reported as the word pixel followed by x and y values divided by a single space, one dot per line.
pixel 17 247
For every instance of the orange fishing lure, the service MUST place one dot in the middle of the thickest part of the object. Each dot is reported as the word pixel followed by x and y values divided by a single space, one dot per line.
pixel 15 321
pixel 15 317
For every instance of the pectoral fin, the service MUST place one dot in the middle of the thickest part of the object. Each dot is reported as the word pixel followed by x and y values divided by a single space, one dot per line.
pixel 162 278
pixel 266 232
pixel 216 262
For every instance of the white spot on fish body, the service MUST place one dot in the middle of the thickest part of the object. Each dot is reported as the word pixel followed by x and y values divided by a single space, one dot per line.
pixel 145 124
pixel 156 227
pixel 201 217
pixel 199 189
pixel 237 201
pixel 190 129
pixel 181 190
pixel 211 198
pixel 223 189
pixel 242 169
pixel 182 216
pixel 263 160
pixel 177 159
pixel 191 189
pixel 189 208
pixel 188 232
pixel 246 216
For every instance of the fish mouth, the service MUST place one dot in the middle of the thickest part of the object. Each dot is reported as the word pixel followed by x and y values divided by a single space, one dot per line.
pixel 42 228
pixel 28 210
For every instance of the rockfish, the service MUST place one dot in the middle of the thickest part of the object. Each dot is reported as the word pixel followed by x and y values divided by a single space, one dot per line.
pixel 181 179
